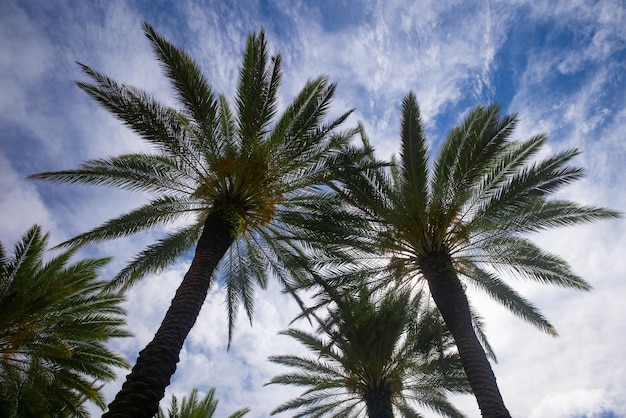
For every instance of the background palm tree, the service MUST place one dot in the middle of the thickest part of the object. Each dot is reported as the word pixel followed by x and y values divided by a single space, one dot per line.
pixel 246 181
pixel 461 220
pixel 194 407
pixel 373 357
pixel 54 322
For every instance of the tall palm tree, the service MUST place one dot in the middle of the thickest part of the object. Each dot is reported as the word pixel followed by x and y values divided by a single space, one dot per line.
pixel 462 219
pixel 245 180
pixel 55 320
pixel 374 357
pixel 194 407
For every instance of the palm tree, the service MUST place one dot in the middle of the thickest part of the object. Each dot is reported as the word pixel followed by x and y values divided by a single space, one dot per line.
pixel 245 180
pixel 462 220
pixel 54 322
pixel 374 357
pixel 193 407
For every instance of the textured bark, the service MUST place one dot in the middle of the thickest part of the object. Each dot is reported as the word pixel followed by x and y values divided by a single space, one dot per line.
pixel 378 404
pixel 145 385
pixel 451 300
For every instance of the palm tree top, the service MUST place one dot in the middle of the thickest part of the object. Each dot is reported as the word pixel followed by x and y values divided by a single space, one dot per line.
pixel 55 320
pixel 474 201
pixel 259 169
pixel 194 407
pixel 374 344
pixel 461 217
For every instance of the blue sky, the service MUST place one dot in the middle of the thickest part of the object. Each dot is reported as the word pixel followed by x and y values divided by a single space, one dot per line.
pixel 560 65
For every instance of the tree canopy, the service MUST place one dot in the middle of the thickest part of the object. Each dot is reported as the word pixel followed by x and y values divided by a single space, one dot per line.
pixel 55 321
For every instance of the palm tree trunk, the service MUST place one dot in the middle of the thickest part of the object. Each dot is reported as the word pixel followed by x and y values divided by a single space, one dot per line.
pixel 451 301
pixel 378 404
pixel 145 385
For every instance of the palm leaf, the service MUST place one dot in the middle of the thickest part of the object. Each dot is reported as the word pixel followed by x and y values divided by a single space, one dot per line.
pixel 507 297
pixel 158 256
pixel 55 320
pixel 414 157
pixel 161 210
pixel 134 172
pixel 256 93
pixel 193 90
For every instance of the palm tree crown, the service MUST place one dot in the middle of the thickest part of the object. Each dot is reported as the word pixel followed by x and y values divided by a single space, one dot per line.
pixel 461 219
pixel 261 179
pixel 374 357
pixel 55 319
pixel 194 407
pixel 246 180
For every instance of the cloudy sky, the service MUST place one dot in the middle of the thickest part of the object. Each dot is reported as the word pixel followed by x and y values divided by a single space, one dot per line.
pixel 560 65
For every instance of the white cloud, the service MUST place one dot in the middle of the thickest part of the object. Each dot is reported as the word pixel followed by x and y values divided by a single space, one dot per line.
pixel 24 61
pixel 588 403
pixel 447 52
pixel 21 206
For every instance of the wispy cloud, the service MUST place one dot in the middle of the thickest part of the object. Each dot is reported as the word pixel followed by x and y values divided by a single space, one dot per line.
pixel 558 64
pixel 594 403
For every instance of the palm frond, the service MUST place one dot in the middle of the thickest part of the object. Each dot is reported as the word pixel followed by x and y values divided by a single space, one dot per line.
pixel 227 145
pixel 319 404
pixel 414 157
pixel 406 410
pixel 526 260
pixel 55 321
pixel 370 341
pixel 364 182
pixel 194 407
pixel 509 298
pixel 314 343
pixel 303 114
pixel 244 268
pixel 158 212
pixel 439 404
pixel 156 123
pixel 27 254
pixel 478 143
pixel 512 156
pixel 193 89
pixel 479 328
pixel 158 256
pixel 134 172
pixel 256 93
pixel 530 184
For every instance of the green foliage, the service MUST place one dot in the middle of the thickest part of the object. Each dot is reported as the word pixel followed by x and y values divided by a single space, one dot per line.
pixel 55 321
pixel 261 170
pixel 460 217
pixel 365 347
pixel 194 407
pixel 473 201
